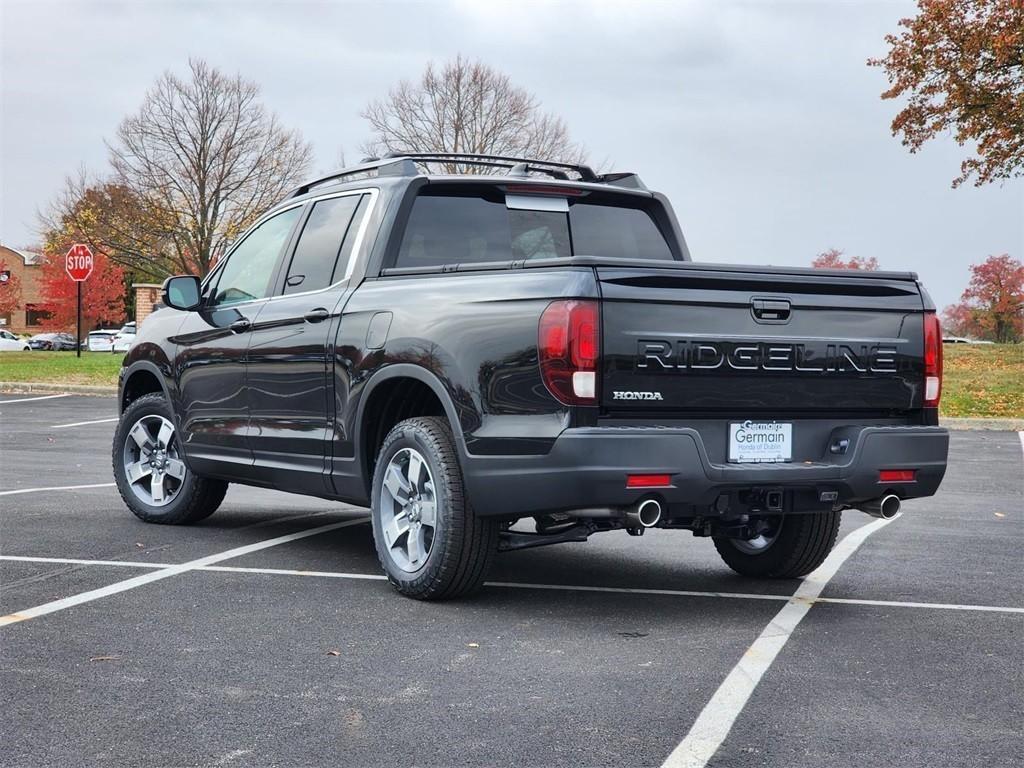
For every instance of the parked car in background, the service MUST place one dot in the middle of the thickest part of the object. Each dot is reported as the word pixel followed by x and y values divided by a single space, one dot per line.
pixel 101 340
pixel 123 339
pixel 52 341
pixel 11 343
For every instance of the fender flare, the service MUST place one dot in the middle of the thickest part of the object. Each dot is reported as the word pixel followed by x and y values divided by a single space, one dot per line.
pixel 407 371
pixel 149 367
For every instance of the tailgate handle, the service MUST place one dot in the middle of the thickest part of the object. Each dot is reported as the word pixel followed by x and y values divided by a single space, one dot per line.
pixel 770 310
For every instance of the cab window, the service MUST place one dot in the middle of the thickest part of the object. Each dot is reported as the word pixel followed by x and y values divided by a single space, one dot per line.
pixel 325 245
pixel 250 266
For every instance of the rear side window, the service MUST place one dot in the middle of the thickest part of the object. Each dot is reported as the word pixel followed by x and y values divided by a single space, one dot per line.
pixel 325 245
pixel 453 229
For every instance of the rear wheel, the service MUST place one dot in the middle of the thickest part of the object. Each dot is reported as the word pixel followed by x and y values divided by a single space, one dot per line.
pixel 429 542
pixel 791 546
pixel 150 471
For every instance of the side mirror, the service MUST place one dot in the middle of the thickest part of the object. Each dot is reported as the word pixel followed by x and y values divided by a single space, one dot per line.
pixel 182 292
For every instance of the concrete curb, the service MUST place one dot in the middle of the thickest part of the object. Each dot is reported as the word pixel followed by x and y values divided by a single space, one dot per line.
pixel 1008 425
pixel 53 387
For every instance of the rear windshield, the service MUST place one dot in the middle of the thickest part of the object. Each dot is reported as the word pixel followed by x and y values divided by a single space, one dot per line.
pixel 457 229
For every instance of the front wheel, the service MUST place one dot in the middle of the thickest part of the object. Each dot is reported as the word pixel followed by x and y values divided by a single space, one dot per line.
pixel 150 472
pixel 429 542
pixel 791 546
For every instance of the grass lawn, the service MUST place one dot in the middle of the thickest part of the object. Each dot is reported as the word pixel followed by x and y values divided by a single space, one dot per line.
pixel 983 380
pixel 980 379
pixel 99 368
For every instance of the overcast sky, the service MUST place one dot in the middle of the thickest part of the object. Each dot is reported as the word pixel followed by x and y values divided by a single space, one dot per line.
pixel 760 120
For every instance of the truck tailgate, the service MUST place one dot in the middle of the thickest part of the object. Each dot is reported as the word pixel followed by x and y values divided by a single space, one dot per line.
pixel 760 343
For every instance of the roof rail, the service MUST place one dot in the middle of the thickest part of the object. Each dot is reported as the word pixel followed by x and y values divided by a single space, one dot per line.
pixel 404 164
pixel 549 167
pixel 383 166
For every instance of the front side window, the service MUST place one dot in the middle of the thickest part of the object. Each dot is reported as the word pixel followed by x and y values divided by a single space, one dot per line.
pixel 325 245
pixel 466 229
pixel 246 276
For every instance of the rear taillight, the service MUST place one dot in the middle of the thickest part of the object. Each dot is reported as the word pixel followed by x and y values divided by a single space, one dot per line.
pixel 932 360
pixel 569 347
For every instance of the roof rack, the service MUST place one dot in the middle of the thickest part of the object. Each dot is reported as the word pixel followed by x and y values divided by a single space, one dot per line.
pixel 404 164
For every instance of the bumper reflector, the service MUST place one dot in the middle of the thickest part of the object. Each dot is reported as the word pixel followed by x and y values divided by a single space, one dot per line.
pixel 648 481
pixel 897 475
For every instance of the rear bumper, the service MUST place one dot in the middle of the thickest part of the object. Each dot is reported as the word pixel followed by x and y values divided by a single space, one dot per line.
pixel 587 468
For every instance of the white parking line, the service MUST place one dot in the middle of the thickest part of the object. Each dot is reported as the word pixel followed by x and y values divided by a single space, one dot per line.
pixel 56 488
pixel 528 585
pixel 164 573
pixel 31 399
pixel 716 719
pixel 81 423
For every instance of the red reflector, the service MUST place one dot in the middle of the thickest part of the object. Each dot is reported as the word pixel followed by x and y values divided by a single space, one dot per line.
pixel 896 475
pixel 648 481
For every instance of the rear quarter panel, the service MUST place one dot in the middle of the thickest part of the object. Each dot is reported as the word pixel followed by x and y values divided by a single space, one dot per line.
pixel 476 333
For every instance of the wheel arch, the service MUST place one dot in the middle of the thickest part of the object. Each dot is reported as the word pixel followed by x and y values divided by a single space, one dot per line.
pixel 142 377
pixel 370 420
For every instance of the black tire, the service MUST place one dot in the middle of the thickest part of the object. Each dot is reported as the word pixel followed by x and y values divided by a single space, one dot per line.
pixel 197 497
pixel 801 545
pixel 463 545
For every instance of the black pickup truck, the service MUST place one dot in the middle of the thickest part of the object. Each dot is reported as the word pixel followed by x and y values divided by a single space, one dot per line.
pixel 524 357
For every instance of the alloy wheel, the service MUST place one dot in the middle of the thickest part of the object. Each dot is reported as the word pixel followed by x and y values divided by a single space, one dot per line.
pixel 408 510
pixel 152 465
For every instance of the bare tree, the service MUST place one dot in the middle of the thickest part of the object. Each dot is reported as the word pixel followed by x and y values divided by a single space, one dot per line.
pixel 466 106
pixel 206 158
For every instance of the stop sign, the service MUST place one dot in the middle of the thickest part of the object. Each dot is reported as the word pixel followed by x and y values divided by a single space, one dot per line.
pixel 78 262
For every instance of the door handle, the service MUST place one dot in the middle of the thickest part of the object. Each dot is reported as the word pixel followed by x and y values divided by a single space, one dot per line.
pixel 771 310
pixel 317 315
pixel 240 326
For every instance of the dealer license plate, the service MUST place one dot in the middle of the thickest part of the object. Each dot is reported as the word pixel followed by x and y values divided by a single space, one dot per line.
pixel 756 442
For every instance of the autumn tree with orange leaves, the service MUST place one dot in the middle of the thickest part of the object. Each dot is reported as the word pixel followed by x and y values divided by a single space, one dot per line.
pixel 960 66
pixel 992 307
pixel 833 258
pixel 102 294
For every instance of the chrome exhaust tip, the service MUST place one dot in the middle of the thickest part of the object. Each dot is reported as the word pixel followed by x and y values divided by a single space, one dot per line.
pixel 648 513
pixel 885 508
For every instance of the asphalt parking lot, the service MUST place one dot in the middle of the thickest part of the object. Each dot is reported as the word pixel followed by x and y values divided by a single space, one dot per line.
pixel 278 644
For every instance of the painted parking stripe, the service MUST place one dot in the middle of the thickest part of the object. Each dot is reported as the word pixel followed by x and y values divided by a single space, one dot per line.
pixel 56 488
pixel 528 585
pixel 716 719
pixel 82 423
pixel 165 573
pixel 32 399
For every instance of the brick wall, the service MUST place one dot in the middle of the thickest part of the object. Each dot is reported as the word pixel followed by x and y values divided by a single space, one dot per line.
pixel 146 295
pixel 30 276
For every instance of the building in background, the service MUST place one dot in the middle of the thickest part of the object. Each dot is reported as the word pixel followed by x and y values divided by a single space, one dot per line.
pixel 25 266
pixel 147 297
